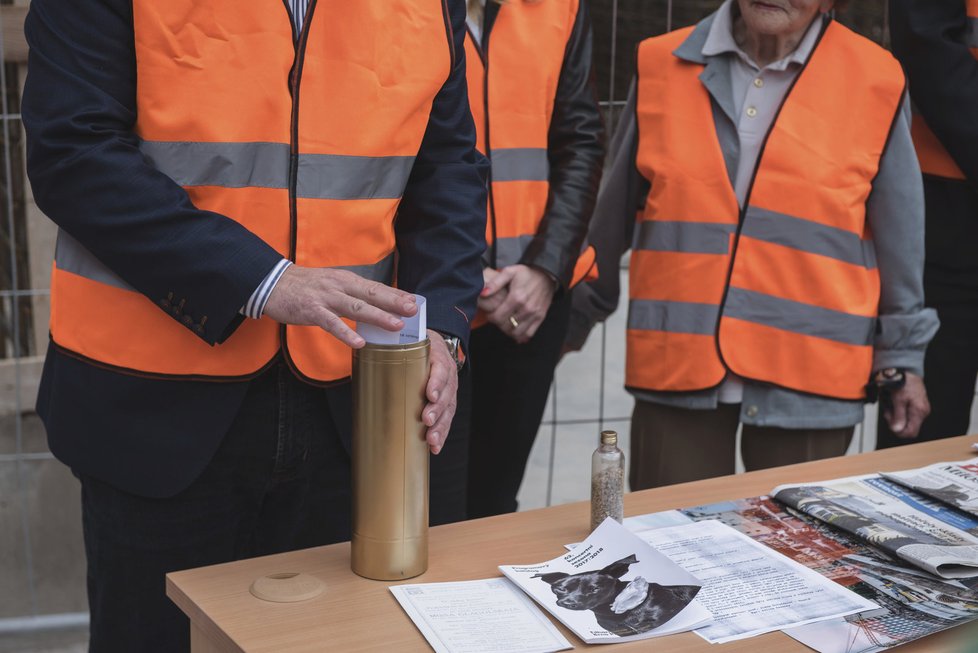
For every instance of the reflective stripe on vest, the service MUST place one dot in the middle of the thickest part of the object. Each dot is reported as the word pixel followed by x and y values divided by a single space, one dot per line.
pixel 786 291
pixel 266 165
pixel 761 224
pixel 934 158
pixel 316 173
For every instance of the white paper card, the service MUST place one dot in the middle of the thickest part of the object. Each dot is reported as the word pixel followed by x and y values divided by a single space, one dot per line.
pixel 415 329
pixel 479 616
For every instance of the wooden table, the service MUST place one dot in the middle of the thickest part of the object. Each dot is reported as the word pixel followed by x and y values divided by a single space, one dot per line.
pixel 355 614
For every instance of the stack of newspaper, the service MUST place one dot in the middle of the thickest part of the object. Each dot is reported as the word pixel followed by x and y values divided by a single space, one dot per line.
pixel 879 509
pixel 907 539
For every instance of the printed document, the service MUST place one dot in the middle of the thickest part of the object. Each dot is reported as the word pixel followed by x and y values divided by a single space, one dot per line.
pixel 749 588
pixel 479 616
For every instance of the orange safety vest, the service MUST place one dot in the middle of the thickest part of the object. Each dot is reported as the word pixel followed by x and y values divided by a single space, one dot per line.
pixel 934 159
pixel 326 164
pixel 785 291
pixel 512 86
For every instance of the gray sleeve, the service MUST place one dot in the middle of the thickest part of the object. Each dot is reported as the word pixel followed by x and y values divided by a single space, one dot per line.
pixel 895 211
pixel 611 228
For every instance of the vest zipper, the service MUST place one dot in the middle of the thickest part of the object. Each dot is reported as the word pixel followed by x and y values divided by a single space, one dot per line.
pixel 742 215
pixel 482 46
pixel 295 79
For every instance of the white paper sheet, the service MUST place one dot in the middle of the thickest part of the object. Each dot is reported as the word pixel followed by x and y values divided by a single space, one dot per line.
pixel 749 588
pixel 415 329
pixel 479 616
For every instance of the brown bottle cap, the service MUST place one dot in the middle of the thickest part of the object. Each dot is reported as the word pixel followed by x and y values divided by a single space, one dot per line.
pixel 609 437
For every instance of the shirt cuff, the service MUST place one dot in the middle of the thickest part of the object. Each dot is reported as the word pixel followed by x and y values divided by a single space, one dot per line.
pixel 256 303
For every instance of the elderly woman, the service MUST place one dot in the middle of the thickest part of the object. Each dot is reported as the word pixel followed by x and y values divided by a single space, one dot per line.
pixel 775 276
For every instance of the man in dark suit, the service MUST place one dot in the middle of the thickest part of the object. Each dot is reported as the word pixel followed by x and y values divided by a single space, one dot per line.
pixel 937 44
pixel 203 219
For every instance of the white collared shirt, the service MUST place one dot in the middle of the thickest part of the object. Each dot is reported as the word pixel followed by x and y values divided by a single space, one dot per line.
pixel 757 92
pixel 475 23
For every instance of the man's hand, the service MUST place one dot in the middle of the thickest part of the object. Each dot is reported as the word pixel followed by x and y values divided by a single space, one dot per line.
pixel 321 296
pixel 907 407
pixel 441 391
pixel 526 304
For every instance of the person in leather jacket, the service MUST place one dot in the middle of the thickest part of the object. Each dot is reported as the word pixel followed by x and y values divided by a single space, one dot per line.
pixel 536 111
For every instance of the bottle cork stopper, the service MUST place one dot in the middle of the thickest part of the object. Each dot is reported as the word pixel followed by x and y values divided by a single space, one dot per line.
pixel 287 587
pixel 609 437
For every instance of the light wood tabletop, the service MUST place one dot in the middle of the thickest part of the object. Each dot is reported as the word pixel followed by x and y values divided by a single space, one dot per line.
pixel 356 614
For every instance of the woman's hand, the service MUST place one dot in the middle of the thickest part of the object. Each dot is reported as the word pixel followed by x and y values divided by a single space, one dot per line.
pixel 528 297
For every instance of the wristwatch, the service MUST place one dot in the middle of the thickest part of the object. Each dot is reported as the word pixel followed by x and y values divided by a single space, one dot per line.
pixel 455 351
pixel 884 382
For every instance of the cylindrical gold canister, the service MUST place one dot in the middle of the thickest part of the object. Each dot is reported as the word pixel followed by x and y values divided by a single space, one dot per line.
pixel 390 461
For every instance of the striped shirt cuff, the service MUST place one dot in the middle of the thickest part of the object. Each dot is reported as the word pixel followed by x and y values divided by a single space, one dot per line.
pixel 256 303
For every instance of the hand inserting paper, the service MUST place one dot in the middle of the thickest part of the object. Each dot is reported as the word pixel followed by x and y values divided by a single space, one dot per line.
pixel 322 296
pixel 442 385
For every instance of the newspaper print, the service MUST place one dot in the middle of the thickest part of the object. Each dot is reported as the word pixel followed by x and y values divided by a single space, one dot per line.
pixel 954 483
pixel 903 523
pixel 914 604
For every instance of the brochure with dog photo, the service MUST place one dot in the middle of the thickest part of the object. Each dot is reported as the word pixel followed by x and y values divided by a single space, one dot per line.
pixel 614 587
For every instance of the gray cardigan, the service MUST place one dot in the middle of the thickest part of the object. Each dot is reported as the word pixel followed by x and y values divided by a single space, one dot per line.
pixel 895 211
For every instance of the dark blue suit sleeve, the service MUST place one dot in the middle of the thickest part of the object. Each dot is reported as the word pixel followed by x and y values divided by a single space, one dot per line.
pixel 441 221
pixel 929 40
pixel 79 109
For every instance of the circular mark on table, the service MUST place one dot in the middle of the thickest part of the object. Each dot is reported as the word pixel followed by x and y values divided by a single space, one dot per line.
pixel 287 587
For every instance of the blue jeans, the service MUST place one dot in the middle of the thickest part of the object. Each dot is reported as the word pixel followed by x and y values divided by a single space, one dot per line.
pixel 279 481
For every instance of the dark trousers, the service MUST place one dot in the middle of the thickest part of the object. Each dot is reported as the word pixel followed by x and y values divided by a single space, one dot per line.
pixel 279 481
pixel 950 372
pixel 510 384
pixel 676 445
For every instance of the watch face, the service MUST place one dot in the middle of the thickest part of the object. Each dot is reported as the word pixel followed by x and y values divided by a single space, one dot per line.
pixel 454 349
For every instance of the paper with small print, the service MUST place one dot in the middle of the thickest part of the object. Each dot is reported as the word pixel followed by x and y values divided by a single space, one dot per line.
pixel 479 616
pixel 750 589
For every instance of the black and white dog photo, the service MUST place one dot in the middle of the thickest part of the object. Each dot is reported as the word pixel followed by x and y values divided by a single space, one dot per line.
pixel 621 607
